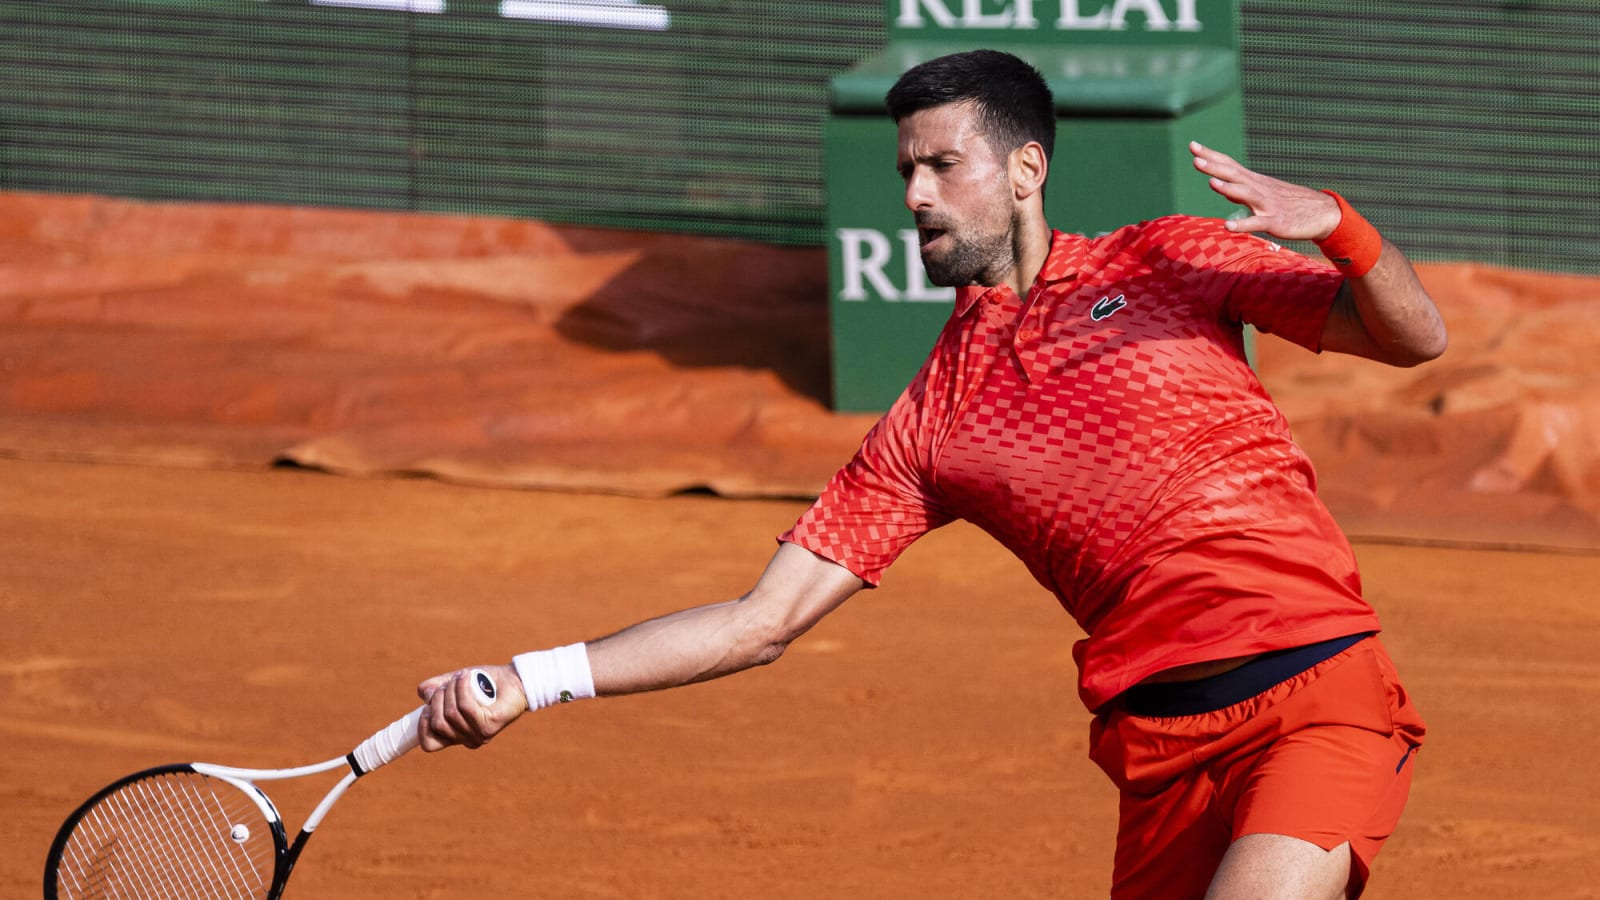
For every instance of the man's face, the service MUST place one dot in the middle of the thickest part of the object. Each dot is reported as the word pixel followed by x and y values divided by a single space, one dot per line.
pixel 959 191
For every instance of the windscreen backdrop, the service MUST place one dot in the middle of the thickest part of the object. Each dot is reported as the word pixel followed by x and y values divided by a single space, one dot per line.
pixel 697 115
pixel 1467 129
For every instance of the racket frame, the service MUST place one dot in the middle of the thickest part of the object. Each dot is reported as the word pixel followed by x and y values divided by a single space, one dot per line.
pixel 382 748
pixel 285 854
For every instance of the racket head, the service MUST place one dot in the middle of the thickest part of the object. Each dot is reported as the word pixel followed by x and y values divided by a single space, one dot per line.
pixel 169 831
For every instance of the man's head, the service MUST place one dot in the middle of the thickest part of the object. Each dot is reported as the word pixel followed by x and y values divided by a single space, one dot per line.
pixel 1009 96
pixel 976 131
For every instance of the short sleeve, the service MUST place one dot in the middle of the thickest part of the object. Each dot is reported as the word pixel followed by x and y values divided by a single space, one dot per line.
pixel 879 503
pixel 1279 291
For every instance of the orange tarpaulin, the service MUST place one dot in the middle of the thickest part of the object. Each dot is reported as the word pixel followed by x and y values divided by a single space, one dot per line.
pixel 1497 441
pixel 508 352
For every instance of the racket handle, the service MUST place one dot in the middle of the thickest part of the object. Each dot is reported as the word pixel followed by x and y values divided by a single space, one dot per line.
pixel 400 737
pixel 387 745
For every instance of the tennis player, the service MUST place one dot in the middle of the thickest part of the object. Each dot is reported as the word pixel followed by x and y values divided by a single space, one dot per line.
pixel 1089 405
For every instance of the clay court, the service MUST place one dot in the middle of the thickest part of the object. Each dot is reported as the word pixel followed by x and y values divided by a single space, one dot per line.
pixel 258 481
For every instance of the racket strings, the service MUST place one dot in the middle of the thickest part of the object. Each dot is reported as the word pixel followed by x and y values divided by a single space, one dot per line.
pixel 169 836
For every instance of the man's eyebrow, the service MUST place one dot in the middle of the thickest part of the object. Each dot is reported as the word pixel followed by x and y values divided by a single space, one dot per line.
pixel 947 153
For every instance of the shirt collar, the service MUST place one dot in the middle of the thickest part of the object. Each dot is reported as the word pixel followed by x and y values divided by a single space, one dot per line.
pixel 1062 263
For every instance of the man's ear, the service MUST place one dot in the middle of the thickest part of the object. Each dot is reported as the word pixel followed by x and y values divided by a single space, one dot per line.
pixel 1027 167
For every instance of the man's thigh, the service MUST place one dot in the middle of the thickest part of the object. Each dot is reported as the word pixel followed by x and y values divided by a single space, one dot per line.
pixel 1276 867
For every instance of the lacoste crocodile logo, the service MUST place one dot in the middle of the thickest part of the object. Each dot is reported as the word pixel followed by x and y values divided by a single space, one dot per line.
pixel 1106 306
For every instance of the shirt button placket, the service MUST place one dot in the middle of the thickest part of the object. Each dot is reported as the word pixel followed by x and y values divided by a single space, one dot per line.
pixel 1026 348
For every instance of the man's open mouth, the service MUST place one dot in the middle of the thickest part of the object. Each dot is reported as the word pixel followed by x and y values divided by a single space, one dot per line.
pixel 926 236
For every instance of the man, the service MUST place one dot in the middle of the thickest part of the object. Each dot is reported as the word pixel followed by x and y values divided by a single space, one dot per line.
pixel 1089 405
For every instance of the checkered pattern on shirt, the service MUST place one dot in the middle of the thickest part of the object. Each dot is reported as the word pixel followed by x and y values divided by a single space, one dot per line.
pixel 1128 457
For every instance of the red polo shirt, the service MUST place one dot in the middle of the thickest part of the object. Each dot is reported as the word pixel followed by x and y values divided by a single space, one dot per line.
pixel 1109 432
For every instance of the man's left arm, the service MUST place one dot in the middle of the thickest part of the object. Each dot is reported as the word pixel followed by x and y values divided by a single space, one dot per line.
pixel 1382 311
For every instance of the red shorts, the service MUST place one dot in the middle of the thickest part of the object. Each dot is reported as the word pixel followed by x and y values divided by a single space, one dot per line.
pixel 1325 756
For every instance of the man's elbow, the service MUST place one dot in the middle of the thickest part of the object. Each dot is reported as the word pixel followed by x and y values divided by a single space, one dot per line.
pixel 765 637
pixel 765 648
pixel 1436 346
pixel 1416 352
pixel 767 653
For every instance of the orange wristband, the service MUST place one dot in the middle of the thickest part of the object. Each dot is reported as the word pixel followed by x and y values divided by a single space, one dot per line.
pixel 1354 246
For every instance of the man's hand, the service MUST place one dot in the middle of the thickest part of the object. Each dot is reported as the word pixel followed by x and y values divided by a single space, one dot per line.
pixel 453 714
pixel 1285 211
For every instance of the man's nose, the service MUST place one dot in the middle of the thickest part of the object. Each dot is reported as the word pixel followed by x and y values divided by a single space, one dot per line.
pixel 919 194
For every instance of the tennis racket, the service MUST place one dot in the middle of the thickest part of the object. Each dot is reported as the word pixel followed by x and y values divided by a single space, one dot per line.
pixel 197 830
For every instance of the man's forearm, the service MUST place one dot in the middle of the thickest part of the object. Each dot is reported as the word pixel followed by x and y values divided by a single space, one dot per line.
pixel 797 589
pixel 696 644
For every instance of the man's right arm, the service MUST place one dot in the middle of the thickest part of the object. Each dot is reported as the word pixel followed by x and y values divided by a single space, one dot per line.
pixel 795 592
pixel 797 589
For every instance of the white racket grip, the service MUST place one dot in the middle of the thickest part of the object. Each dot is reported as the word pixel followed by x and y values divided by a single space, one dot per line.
pixel 387 745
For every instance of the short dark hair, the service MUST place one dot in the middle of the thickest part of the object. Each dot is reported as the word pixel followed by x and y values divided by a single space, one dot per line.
pixel 1013 102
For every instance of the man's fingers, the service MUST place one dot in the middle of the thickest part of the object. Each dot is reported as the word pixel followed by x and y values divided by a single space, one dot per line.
pixel 1239 185
pixel 1277 208
pixel 1203 154
pixel 427 734
pixel 470 722
pixel 431 739
pixel 1215 162
pixel 458 715
pixel 1233 181
pixel 1236 192
pixel 444 722
pixel 426 688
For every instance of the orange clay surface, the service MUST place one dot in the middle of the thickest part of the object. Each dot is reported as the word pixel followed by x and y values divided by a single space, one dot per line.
pixel 924 741
pixel 168 595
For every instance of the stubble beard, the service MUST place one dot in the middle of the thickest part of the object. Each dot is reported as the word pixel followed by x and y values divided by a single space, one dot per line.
pixel 973 259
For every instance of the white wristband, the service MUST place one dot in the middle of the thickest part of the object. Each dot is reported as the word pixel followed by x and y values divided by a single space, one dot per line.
pixel 555 676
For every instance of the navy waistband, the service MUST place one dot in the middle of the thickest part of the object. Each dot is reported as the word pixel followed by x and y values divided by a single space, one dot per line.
pixel 1191 698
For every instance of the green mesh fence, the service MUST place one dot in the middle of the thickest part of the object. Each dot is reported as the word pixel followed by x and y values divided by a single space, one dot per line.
pixel 694 116
pixel 1468 130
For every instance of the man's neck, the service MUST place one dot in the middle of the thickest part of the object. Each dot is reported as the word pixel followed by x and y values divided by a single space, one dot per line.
pixel 1032 248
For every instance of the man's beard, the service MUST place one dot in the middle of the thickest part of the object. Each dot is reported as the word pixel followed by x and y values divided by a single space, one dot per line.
pixel 972 259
